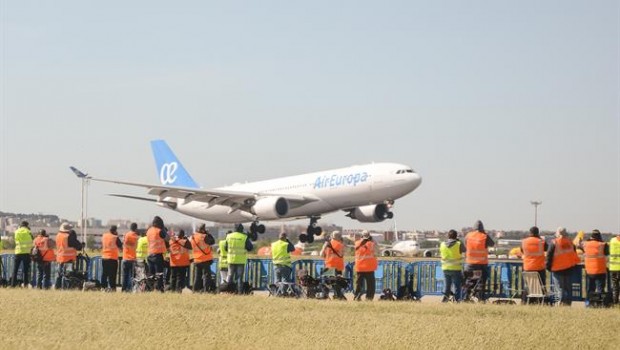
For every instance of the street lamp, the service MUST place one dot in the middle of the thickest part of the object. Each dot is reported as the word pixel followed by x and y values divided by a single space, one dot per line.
pixel 536 204
pixel 84 195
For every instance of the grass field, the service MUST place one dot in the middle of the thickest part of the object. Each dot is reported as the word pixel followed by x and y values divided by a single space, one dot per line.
pixel 31 319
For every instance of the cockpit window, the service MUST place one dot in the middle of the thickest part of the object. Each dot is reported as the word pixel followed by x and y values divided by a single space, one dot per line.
pixel 404 171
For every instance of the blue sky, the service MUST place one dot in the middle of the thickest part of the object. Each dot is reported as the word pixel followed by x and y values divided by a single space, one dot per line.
pixel 495 103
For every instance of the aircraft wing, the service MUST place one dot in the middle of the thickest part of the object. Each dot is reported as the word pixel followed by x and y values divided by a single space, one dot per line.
pixel 234 199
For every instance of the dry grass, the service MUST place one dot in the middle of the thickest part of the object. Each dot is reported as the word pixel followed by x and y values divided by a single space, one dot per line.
pixel 61 320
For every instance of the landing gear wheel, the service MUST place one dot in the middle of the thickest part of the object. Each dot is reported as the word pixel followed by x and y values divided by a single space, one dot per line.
pixel 303 238
pixel 310 238
pixel 261 229
pixel 253 236
pixel 390 215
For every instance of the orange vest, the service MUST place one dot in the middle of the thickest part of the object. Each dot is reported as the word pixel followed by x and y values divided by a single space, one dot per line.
pixel 533 254
pixel 109 249
pixel 156 243
pixel 179 255
pixel 477 253
pixel 129 246
pixel 595 261
pixel 564 255
pixel 331 259
pixel 199 246
pixel 41 242
pixel 64 253
pixel 365 260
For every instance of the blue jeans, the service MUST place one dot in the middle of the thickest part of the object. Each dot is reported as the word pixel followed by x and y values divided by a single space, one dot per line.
pixel 562 286
pixel 453 278
pixel 283 273
pixel 24 261
pixel 44 277
pixel 128 273
pixel 235 275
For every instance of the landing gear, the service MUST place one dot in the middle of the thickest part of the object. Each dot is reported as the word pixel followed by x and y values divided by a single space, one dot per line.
pixel 255 229
pixel 313 230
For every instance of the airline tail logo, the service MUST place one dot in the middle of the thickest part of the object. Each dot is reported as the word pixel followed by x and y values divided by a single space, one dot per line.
pixel 170 170
pixel 167 173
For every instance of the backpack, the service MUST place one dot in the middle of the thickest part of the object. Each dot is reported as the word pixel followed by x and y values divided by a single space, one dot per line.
pixel 35 254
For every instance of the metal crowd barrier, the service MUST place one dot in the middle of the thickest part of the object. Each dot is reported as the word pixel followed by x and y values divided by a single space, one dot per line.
pixel 425 276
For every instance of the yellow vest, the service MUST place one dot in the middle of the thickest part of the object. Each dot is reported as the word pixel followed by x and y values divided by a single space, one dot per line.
pixel 236 248
pixel 223 259
pixel 23 241
pixel 614 254
pixel 280 254
pixel 142 248
pixel 451 259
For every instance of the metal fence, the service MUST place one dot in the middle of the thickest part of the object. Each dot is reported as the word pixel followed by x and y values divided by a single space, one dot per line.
pixel 425 276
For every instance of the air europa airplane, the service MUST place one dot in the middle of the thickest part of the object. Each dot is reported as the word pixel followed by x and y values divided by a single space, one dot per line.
pixel 365 192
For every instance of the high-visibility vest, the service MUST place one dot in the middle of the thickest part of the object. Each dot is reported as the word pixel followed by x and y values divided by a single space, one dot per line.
pixel 236 248
pixel 365 259
pixel 280 254
pixel 109 249
pixel 200 249
pixel 332 260
pixel 64 253
pixel 476 252
pixel 42 244
pixel 533 254
pixel 130 242
pixel 23 241
pixel 594 252
pixel 564 255
pixel 223 259
pixel 451 259
pixel 156 243
pixel 142 249
pixel 179 255
pixel 614 254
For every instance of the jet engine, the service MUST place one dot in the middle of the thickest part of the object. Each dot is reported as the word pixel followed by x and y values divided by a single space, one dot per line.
pixel 371 213
pixel 270 208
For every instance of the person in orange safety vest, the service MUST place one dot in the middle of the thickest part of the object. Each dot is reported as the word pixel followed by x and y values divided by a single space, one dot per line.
pixel 179 261
pixel 561 260
pixel 366 252
pixel 110 246
pixel 595 252
pixel 477 244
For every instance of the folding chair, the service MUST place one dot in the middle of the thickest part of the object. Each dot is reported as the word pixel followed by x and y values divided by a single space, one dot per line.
pixel 535 288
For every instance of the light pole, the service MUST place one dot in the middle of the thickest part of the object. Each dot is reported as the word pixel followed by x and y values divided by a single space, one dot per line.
pixel 536 204
pixel 84 195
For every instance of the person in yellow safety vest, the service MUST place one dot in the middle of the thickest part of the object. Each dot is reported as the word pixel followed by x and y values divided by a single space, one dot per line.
pixel 110 246
pixel 223 260
pixel 237 246
pixel 142 252
pixel 477 244
pixel 614 267
pixel 23 247
pixel 366 263
pixel 201 243
pixel 281 258
pixel 452 265
pixel 595 252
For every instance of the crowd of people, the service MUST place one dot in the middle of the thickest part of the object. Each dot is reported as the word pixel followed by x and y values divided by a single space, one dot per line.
pixel 156 250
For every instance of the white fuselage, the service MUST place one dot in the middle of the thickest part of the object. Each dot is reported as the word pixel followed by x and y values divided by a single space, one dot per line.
pixel 404 248
pixel 332 190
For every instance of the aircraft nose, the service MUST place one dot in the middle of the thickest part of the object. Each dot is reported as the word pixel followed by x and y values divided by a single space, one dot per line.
pixel 415 181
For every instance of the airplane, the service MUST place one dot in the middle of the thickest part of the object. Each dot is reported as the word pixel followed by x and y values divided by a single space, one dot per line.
pixel 405 248
pixel 365 192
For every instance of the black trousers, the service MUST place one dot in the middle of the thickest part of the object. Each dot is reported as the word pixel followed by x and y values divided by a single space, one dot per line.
pixel 156 265
pixel 108 277
pixel 367 278
pixel 615 286
pixel 178 278
pixel 203 279
pixel 24 260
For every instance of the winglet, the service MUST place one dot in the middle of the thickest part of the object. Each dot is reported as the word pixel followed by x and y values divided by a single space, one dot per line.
pixel 78 173
pixel 170 171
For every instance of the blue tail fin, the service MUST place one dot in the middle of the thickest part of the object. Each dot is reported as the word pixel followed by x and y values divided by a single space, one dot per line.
pixel 169 169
